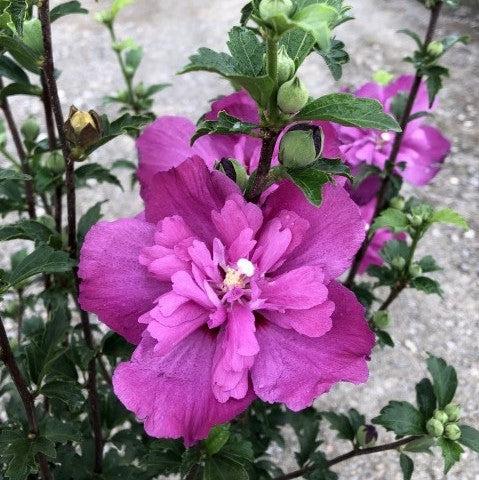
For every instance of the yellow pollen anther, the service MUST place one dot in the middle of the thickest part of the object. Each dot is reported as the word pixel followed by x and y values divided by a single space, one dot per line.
pixel 233 279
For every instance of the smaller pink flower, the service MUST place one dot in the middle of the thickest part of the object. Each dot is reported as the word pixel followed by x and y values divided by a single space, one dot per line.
pixel 423 149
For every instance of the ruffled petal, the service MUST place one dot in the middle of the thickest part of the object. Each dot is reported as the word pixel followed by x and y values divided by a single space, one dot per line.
pixel 336 229
pixel 172 394
pixel 295 369
pixel 238 104
pixel 114 285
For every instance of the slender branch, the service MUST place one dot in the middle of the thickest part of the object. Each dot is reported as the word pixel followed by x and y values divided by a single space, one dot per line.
pixel 7 357
pixel 29 189
pixel 357 452
pixel 49 70
pixel 398 139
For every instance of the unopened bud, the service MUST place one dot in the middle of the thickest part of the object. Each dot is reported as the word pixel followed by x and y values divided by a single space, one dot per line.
pixel 233 170
pixel 452 431
pixel 272 8
pixel 453 412
pixel 398 262
pixel 382 77
pixel 366 436
pixel 434 427
pixel 415 220
pixel 82 129
pixel 292 96
pixel 381 319
pixel 441 415
pixel 398 203
pixel 301 146
pixel 415 270
pixel 54 162
pixel 435 49
pixel 30 130
pixel 286 66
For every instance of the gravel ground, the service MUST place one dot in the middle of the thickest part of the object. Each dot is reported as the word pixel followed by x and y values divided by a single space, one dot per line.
pixel 445 327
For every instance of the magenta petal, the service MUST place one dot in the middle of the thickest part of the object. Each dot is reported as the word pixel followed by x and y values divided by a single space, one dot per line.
pixel 403 84
pixel 336 229
pixel 238 104
pixel 172 394
pixel 192 192
pixel 295 369
pixel 114 284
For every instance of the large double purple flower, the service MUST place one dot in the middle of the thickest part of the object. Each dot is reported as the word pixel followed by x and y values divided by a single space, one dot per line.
pixel 226 300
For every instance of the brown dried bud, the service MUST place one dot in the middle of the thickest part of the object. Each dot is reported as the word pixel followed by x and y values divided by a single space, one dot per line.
pixel 82 129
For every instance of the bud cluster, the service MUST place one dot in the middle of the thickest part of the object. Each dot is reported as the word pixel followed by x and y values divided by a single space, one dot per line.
pixel 444 423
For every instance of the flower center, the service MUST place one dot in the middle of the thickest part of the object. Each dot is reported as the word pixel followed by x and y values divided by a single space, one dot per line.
pixel 238 277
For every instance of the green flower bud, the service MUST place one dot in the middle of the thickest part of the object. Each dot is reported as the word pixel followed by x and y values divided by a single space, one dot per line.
pixel 54 162
pixel 366 436
pixel 286 66
pixel 301 146
pixel 234 170
pixel 415 220
pixel 434 427
pixel 381 319
pixel 452 431
pixel 453 412
pixel 441 415
pixel 415 270
pixel 398 203
pixel 435 49
pixel 398 262
pixel 292 96
pixel 30 130
pixel 272 8
pixel 382 77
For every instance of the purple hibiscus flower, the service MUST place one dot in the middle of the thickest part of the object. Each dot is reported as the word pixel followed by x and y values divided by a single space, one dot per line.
pixel 226 300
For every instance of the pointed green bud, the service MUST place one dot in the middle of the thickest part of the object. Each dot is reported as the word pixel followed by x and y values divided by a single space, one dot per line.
pixel 434 427
pixel 54 162
pixel 301 146
pixel 286 66
pixel 398 203
pixel 381 319
pixel 452 431
pixel 441 415
pixel 415 270
pixel 292 96
pixel 453 412
pixel 435 49
pixel 398 262
pixel 272 8
pixel 233 170
pixel 30 130
pixel 366 436
pixel 382 77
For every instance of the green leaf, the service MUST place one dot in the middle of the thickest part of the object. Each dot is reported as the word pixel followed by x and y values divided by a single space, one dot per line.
pixel 444 380
pixel 67 8
pixel 133 58
pixel 67 392
pixel 224 125
pixel 23 54
pixel 384 339
pixel 450 217
pixel 311 182
pixel 10 69
pixel 42 260
pixel 346 109
pixel 17 9
pixel 412 35
pixel 220 468
pixel 470 438
pixel 119 5
pixel 451 452
pixel 394 249
pixel 163 457
pixel 335 58
pixel 341 424
pixel 92 216
pixel 9 174
pixel 247 51
pixel 391 218
pixel 96 172
pixel 426 285
pixel 26 230
pixel 407 466
pixel 20 89
pixel 451 40
pixel 420 445
pixel 298 44
pixel 217 438
pixel 401 418
pixel 211 61
pixel 428 264
pixel 59 432
pixel 426 398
